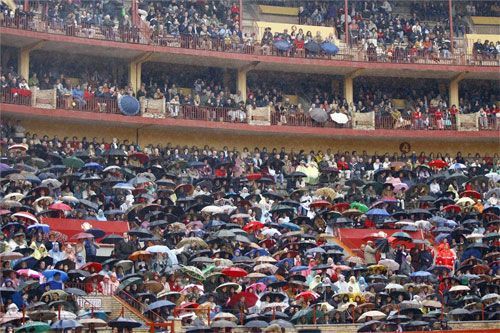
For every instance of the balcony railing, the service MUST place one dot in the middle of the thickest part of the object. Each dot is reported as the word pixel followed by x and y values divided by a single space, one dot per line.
pixel 136 35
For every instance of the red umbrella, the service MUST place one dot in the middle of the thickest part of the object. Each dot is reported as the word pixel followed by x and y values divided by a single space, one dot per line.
pixel 234 272
pixel 141 157
pixel 82 235
pixel 60 206
pixel 342 165
pixel 319 204
pixel 254 176
pixel 92 265
pixel 452 208
pixel 341 206
pixel 307 295
pixel 250 299
pixel 253 225
pixel 470 194
pixel 437 164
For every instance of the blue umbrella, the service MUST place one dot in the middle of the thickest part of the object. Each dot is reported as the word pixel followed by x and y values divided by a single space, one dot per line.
pixel 65 324
pixel 30 263
pixel 284 261
pixel 421 274
pixel 299 269
pixel 49 274
pixel 329 48
pixel 290 226
pixel 377 212
pixel 129 105
pixel 312 47
pixel 315 250
pixel 282 45
pixel 93 165
pixel 164 249
pixel 158 305
pixel 268 279
pixel 44 228
pixel 257 253
pixel 439 238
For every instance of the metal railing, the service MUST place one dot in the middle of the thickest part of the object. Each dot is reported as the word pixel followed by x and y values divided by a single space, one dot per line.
pixel 407 123
pixel 133 35
pixel 91 104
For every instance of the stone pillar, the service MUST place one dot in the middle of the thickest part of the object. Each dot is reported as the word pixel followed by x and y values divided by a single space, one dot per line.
pixel 23 59
pixel 453 90
pixel 135 71
pixel 349 89
pixel 242 83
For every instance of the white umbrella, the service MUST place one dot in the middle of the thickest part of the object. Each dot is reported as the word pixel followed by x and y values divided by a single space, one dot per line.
pixel 271 232
pixel 70 199
pixel 112 168
pixel 495 176
pixel 265 259
pixel 26 215
pixel 66 315
pixel 394 286
pixel 14 196
pixel 390 264
pixel 490 297
pixel 51 182
pixel 339 118
pixel 375 315
pixel 265 267
pixel 474 236
pixel 459 288
pixel 225 316
pixel 212 210
pixel 457 166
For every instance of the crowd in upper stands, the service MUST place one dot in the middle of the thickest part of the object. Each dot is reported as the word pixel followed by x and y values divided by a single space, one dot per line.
pixel 383 36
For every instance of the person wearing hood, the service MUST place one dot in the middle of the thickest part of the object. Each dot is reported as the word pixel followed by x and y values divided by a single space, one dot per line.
pixel 363 286
pixel 341 285
pixel 56 254
pixel 100 216
pixel 353 286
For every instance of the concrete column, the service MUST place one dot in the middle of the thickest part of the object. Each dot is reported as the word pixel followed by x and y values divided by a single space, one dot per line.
pixel 453 90
pixel 23 59
pixel 349 89
pixel 226 78
pixel 242 83
pixel 23 63
pixel 135 71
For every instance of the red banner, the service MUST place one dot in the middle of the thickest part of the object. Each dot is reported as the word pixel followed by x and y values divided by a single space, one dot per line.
pixel 70 227
pixel 353 238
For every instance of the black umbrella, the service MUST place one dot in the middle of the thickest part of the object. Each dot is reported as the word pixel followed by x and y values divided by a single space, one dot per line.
pixel 312 47
pixel 122 322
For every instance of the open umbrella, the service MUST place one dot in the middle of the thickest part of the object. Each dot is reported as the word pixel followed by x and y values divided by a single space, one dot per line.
pixel 34 327
pixel 319 115
pixel 65 324
pixel 339 118
pixel 234 272
pixel 122 323
pixel 377 315
pixel 250 299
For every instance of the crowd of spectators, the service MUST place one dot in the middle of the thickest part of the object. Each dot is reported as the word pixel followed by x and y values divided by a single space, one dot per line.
pixel 234 220
pixel 423 108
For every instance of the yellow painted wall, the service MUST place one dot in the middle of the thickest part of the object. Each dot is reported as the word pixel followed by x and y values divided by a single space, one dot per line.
pixel 201 137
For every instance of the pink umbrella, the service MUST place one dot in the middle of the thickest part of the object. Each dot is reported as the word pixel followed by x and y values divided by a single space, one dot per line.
pixel 26 215
pixel 82 235
pixel 259 286
pixel 60 206
pixel 29 273
pixel 398 187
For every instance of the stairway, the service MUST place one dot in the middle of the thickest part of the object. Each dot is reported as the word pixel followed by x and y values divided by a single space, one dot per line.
pixel 116 306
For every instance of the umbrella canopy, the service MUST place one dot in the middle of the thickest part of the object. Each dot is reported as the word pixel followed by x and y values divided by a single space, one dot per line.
pixel 339 118
pixel 122 322
pixel 34 326
pixel 65 324
pixel 319 115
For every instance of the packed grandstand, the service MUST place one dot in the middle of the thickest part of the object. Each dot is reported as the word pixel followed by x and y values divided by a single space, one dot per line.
pixel 109 233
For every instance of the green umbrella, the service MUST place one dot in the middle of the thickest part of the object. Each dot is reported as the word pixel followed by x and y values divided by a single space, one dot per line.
pixel 34 326
pixel 308 314
pixel 73 162
pixel 359 206
pixel 193 272
pixel 207 270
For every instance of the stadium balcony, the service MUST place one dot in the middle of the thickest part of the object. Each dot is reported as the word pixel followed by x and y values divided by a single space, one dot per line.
pixel 139 45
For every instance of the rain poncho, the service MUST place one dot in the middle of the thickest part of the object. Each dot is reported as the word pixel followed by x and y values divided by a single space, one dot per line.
pixel 341 285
